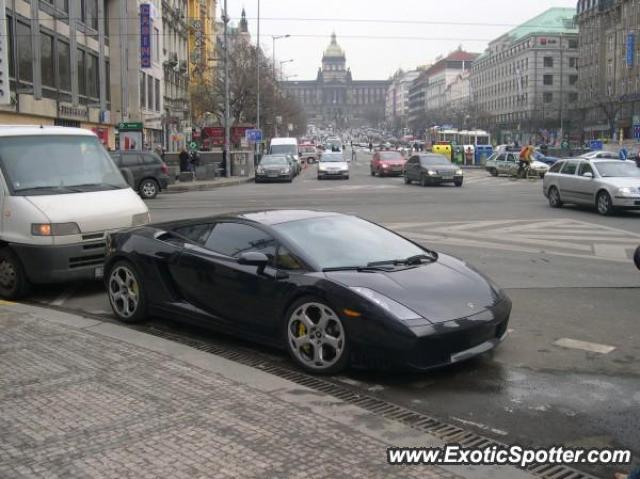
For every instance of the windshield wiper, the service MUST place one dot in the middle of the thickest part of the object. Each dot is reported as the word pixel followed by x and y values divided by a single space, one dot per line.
pixel 360 269
pixel 57 189
pixel 415 260
pixel 97 185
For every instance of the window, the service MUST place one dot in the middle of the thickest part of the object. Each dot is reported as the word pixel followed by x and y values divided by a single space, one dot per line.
pixel 82 83
pixel 89 11
pixel 131 160
pixel 157 95
pixel 155 50
pixel 286 261
pixel 149 159
pixel 108 80
pixel 547 97
pixel 570 167
pixel 12 47
pixel 555 168
pixel 548 62
pixel 585 168
pixel 511 158
pixel 64 66
pixel 143 94
pixel 573 62
pixel 573 44
pixel 92 75
pixel 232 239
pixel 573 79
pixel 25 55
pixel 547 79
pixel 196 233
pixel 149 92
pixel 573 97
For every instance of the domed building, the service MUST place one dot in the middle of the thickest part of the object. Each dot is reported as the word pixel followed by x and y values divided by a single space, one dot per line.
pixel 334 98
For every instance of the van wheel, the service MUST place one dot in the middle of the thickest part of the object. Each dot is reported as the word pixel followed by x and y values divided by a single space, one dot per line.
pixel 14 283
pixel 149 189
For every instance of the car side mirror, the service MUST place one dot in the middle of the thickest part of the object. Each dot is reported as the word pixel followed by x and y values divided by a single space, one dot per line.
pixel 253 258
pixel 587 174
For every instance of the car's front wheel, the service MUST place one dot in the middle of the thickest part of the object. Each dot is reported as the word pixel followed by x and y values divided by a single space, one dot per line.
pixel 14 283
pixel 126 293
pixel 458 182
pixel 493 172
pixel 604 203
pixel 423 180
pixel 407 181
pixel 315 336
pixel 149 189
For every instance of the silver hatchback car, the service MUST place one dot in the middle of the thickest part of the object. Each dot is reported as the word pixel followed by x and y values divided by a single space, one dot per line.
pixel 603 183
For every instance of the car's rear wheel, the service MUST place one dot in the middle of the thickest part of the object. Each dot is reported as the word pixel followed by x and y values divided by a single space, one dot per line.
pixel 373 172
pixel 14 283
pixel 493 172
pixel 554 198
pixel 149 189
pixel 315 336
pixel 604 203
pixel 126 293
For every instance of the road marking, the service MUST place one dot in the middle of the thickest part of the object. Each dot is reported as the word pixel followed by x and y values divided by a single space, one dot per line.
pixel 584 346
pixel 66 294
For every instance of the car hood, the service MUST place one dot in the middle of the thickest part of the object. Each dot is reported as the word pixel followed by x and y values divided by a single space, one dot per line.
pixel 343 165
pixel 393 162
pixel 622 181
pixel 441 291
pixel 539 165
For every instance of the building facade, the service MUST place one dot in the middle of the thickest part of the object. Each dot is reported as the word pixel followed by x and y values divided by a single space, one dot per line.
pixel 59 71
pixel 334 98
pixel 609 73
pixel 397 99
pixel 526 82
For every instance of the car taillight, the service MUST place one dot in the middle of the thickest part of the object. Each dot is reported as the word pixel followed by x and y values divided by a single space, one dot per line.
pixel 164 168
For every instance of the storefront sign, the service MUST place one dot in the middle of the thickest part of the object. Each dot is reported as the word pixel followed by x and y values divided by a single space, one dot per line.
pixel 67 110
pixel 102 134
pixel 5 93
pixel 145 35
pixel 131 140
pixel 129 126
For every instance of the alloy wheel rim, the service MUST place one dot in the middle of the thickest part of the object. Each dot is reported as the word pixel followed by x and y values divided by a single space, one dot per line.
pixel 7 275
pixel 316 336
pixel 148 189
pixel 124 292
pixel 603 203
pixel 554 197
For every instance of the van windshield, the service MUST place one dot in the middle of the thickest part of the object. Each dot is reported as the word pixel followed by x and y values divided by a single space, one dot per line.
pixel 60 164
pixel 284 149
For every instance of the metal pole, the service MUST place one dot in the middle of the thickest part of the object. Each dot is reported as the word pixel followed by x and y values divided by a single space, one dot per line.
pixel 257 146
pixel 275 102
pixel 227 129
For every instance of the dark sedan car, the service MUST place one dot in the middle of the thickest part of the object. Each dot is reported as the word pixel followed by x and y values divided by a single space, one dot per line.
pixel 275 168
pixel 331 289
pixel 432 169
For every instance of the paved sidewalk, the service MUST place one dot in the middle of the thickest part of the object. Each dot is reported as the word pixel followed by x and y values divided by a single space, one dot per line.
pixel 204 185
pixel 81 398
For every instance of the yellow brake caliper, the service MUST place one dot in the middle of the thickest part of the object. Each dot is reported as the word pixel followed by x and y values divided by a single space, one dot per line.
pixel 301 332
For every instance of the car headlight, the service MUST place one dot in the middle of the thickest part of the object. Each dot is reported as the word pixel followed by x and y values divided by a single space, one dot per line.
pixel 431 172
pixel 260 170
pixel 393 307
pixel 385 166
pixel 141 219
pixel 286 170
pixel 626 191
pixel 458 172
pixel 322 167
pixel 54 229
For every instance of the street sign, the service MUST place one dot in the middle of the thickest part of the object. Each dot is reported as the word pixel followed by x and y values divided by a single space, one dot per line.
pixel 253 135
pixel 631 48
pixel 193 145
pixel 130 126
pixel 145 35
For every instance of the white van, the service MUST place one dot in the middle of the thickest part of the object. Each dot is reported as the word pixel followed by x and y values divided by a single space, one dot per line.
pixel 60 193
pixel 285 146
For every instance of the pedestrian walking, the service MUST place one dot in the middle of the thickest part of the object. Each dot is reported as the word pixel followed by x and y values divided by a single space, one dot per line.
pixel 184 161
pixel 623 153
pixel 468 156
pixel 370 147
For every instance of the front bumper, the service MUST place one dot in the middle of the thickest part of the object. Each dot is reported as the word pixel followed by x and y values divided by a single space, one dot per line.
pixel 279 177
pixel 332 174
pixel 56 264
pixel 437 179
pixel 439 345
pixel 626 202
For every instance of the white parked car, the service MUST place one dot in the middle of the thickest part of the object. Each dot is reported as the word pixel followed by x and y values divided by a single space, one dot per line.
pixel 60 193
pixel 333 165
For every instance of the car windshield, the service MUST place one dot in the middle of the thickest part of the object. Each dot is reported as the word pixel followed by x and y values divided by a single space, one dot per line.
pixel 332 158
pixel 57 164
pixel 617 169
pixel 342 241
pixel 435 160
pixel 389 155
pixel 286 149
pixel 274 161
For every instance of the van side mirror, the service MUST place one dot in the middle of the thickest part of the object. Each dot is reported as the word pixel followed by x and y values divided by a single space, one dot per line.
pixel 587 174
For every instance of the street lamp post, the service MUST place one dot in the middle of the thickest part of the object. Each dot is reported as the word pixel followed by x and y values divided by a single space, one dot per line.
pixel 257 145
pixel 275 81
pixel 227 126
pixel 274 90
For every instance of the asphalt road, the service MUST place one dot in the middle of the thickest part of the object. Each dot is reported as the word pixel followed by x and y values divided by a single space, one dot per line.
pixel 568 271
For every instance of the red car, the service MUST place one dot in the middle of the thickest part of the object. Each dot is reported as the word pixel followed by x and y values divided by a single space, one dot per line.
pixel 387 163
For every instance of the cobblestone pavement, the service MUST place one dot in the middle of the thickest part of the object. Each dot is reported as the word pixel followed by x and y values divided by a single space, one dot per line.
pixel 76 404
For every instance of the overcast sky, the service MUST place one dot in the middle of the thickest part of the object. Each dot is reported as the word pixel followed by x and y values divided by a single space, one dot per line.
pixel 310 23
